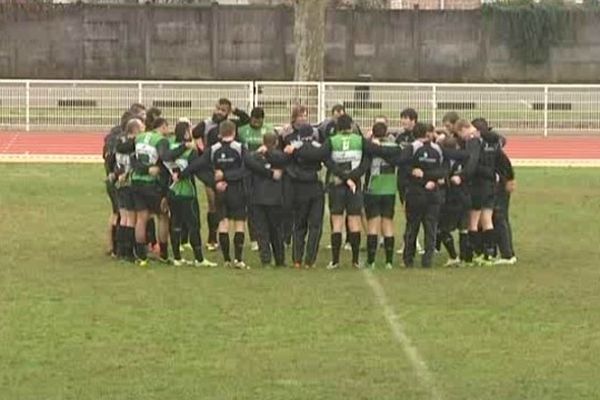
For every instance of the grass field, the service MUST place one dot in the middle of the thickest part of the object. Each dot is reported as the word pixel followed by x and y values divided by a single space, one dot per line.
pixel 77 325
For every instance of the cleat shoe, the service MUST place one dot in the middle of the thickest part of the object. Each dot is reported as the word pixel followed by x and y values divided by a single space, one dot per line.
pixel 358 265
pixel 227 264
pixel 452 262
pixel 254 246
pixel 371 266
pixel 204 264
pixel 240 265
pixel 142 263
pixel 331 265
pixel 505 261
pixel 389 266
pixel 179 263
pixel 212 246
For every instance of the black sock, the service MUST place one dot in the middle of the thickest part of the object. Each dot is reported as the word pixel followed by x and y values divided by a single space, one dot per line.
pixel 448 242
pixel 463 246
pixel 473 243
pixel 238 245
pixel 129 238
pixel 151 232
pixel 114 239
pixel 141 251
pixel 388 245
pixel 213 224
pixel 489 242
pixel 371 248
pixel 336 244
pixel 478 247
pixel 355 243
pixel 120 239
pixel 164 250
pixel 224 243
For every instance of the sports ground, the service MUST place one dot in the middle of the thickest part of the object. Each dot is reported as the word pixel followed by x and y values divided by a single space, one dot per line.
pixel 75 324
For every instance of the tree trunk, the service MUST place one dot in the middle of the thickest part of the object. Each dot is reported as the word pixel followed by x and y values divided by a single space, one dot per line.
pixel 309 37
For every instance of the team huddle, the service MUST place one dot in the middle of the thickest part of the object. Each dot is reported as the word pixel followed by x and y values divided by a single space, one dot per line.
pixel 272 182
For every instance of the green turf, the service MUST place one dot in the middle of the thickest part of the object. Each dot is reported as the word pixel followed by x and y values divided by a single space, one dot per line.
pixel 76 325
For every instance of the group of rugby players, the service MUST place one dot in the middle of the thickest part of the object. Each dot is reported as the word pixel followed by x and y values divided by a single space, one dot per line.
pixel 456 178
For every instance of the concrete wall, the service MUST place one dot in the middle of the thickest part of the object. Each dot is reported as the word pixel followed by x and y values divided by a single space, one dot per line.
pixel 161 42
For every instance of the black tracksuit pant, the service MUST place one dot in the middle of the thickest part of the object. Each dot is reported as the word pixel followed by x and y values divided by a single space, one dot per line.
pixel 502 226
pixel 421 209
pixel 269 233
pixel 185 213
pixel 308 227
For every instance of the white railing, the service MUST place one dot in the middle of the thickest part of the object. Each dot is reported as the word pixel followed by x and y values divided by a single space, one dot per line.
pixel 96 105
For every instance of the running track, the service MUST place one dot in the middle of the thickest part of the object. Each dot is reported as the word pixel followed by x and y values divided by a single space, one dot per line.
pixel 87 147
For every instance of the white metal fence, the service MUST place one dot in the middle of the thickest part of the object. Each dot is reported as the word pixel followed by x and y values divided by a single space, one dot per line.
pixel 97 105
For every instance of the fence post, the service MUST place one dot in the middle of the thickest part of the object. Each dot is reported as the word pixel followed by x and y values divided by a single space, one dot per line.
pixel 140 91
pixel 321 100
pixel 545 111
pixel 433 105
pixel 251 97
pixel 27 114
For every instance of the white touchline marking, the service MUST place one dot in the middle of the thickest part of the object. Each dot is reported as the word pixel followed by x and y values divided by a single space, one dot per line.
pixel 411 352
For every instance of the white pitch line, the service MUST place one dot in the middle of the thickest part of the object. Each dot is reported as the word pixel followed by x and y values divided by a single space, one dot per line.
pixel 412 353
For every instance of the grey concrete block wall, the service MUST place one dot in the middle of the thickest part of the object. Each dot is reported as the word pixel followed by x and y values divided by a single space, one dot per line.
pixel 244 43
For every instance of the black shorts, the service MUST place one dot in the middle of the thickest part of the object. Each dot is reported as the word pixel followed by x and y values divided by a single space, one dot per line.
pixel 146 197
pixel 380 206
pixel 112 195
pixel 483 196
pixel 342 199
pixel 125 198
pixel 232 204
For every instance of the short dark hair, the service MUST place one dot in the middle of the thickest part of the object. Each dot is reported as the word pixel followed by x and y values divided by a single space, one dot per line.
pixel 198 130
pixel 429 128
pixel 379 130
pixel 270 139
pixel 181 129
pixel 297 111
pixel 337 108
pixel 409 113
pixel 449 142
pixel 151 115
pixel 158 122
pixel 223 101
pixel 135 108
pixel 226 128
pixel 344 123
pixel 481 125
pixel 419 131
pixel 257 113
pixel 127 115
pixel 451 117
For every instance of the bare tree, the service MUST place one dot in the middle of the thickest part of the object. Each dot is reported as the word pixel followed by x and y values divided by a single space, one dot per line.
pixel 309 37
